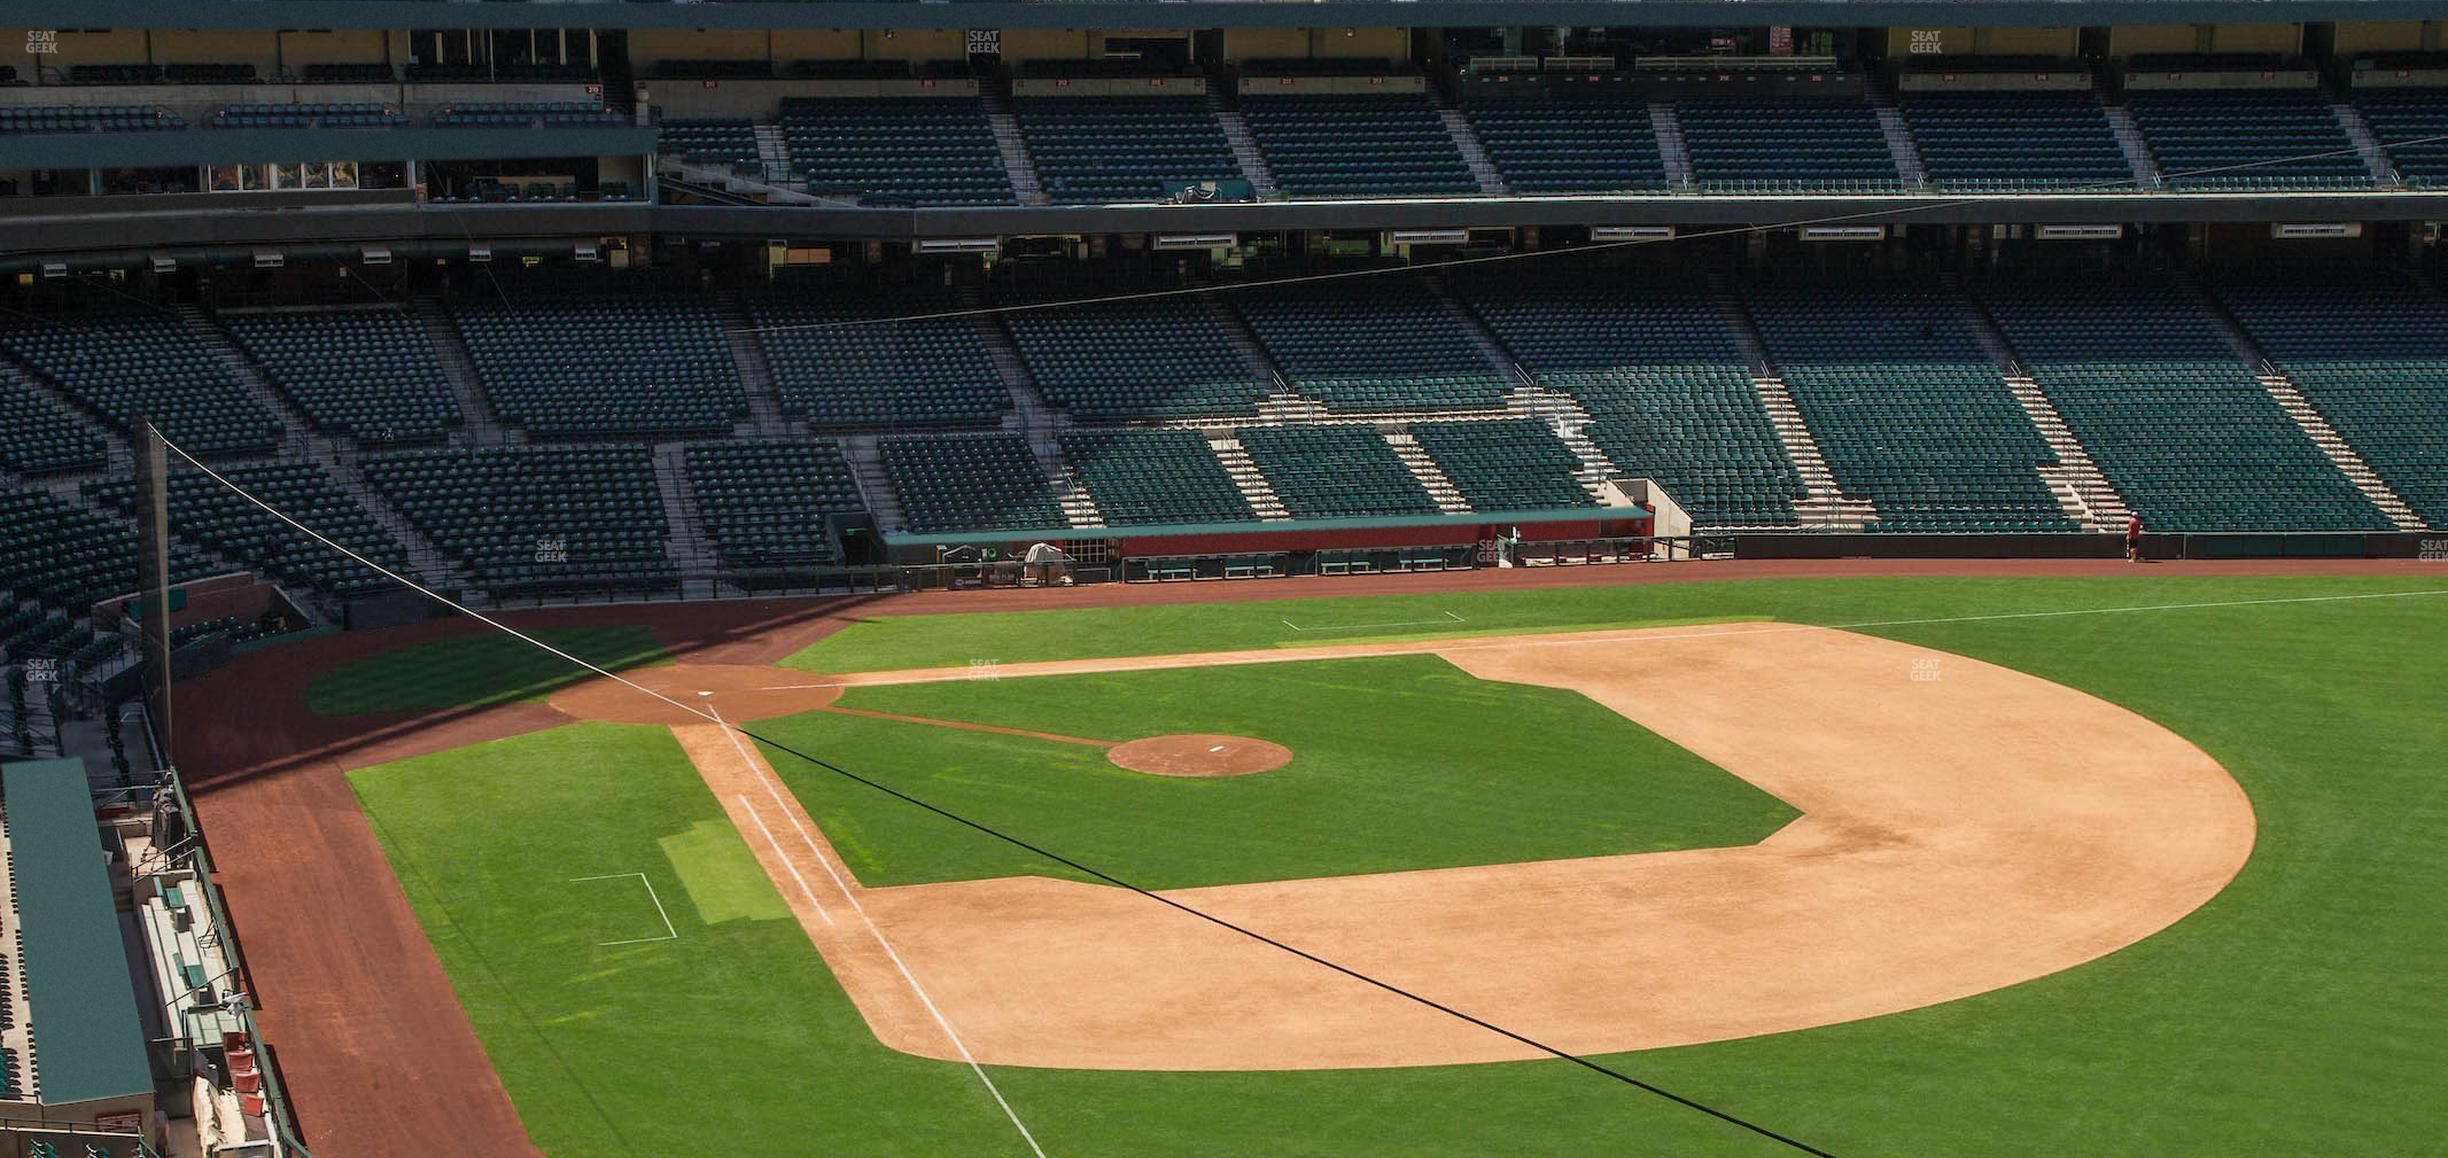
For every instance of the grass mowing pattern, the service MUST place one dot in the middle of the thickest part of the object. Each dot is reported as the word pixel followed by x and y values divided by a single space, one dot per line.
pixel 477 670
pixel 1402 762
pixel 2296 1013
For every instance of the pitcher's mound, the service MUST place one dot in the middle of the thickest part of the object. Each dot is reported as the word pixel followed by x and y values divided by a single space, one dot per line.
pixel 1199 755
pixel 735 692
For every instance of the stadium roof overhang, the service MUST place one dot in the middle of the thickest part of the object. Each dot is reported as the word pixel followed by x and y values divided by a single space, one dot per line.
pixel 153 224
pixel 257 14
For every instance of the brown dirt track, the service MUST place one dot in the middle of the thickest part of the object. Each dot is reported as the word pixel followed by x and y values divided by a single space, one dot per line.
pixel 378 1056
pixel 1200 755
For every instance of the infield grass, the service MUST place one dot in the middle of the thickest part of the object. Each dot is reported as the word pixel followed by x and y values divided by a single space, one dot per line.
pixel 2297 1013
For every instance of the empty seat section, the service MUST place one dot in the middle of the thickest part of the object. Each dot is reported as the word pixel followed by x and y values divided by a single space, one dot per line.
pixel 1336 471
pixel 1511 464
pixel 1908 409
pixel 68 557
pixel 2372 357
pixel 37 436
pixel 1570 144
pixel 1986 142
pixel 1667 388
pixel 1390 145
pixel 311 115
pixel 731 140
pixel 369 374
pixel 633 365
pixel 2273 140
pixel 764 503
pixel 1375 343
pixel 2190 438
pixel 2412 125
pixel 972 482
pixel 212 516
pixel 528 115
pixel 121 364
pixel 844 364
pixel 1154 476
pixel 528 519
pixel 1787 145
pixel 1122 148
pixel 87 119
pixel 1165 357
pixel 921 150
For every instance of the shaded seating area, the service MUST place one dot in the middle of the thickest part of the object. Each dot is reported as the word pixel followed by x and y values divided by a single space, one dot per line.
pixel 1382 343
pixel 731 140
pixel 367 373
pixel 632 365
pixel 1153 476
pixel 1668 389
pixel 311 115
pixel 2008 142
pixel 1335 471
pixel 212 516
pixel 914 150
pixel 1162 357
pixel 764 503
pixel 527 115
pixel 1558 137
pixel 1510 464
pixel 1757 144
pixel 1907 408
pixel 37 437
pixel 2412 127
pixel 2289 138
pixel 2188 436
pixel 970 482
pixel 2372 357
pixel 87 119
pixel 117 364
pixel 841 362
pixel 1102 149
pixel 536 519
pixel 67 557
pixel 1344 145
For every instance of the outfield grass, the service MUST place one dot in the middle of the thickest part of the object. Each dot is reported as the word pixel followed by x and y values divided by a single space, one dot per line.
pixel 2297 1013
pixel 1400 762
pixel 476 670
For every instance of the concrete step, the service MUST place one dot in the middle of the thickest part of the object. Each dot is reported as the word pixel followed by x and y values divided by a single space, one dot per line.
pixel 2138 155
pixel 483 426
pixel 1474 154
pixel 1244 146
pixel 1671 149
pixel 1424 468
pixel 874 486
pixel 1253 484
pixel 755 368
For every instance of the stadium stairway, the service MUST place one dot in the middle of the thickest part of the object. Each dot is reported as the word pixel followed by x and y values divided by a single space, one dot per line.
pixel 1255 489
pixel 298 440
pixel 2137 151
pixel 1909 166
pixel 755 369
pixel 2367 145
pixel 1673 153
pixel 2086 494
pixel 1253 355
pixel 1498 358
pixel 1244 146
pixel 426 565
pixel 1033 418
pixel 689 546
pixel 1822 507
pixel 875 488
pixel 2290 398
pixel 1027 188
pixel 483 426
pixel 1474 151
pixel 1424 468
pixel 1564 415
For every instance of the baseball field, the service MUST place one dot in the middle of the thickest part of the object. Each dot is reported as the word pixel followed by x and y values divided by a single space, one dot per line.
pixel 1930 864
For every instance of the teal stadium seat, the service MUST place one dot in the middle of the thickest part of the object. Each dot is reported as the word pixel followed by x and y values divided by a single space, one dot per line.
pixel 1372 344
pixel 1509 464
pixel 2254 140
pixel 369 374
pixel 925 151
pixel 1106 149
pixel 1164 357
pixel 1336 471
pixel 970 482
pixel 1138 477
pixel 1369 145
pixel 764 503
pixel 536 519
pixel 842 365
pixel 119 363
pixel 606 366
pixel 2016 142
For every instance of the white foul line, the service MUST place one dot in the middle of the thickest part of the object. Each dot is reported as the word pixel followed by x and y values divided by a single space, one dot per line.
pixel 793 869
pixel 1450 617
pixel 878 934
pixel 669 933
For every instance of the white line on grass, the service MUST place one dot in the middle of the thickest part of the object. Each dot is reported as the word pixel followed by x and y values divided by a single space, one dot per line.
pixel 1450 617
pixel 669 933
pixel 940 1021
pixel 793 869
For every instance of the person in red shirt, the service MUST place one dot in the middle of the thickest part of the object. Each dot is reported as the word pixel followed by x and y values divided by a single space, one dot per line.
pixel 2133 539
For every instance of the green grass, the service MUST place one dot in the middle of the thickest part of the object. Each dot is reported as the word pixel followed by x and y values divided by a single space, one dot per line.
pixel 1401 762
pixel 2297 1013
pixel 476 670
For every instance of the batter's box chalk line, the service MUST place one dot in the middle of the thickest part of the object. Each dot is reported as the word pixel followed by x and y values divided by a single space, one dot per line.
pixel 1448 617
pixel 669 933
